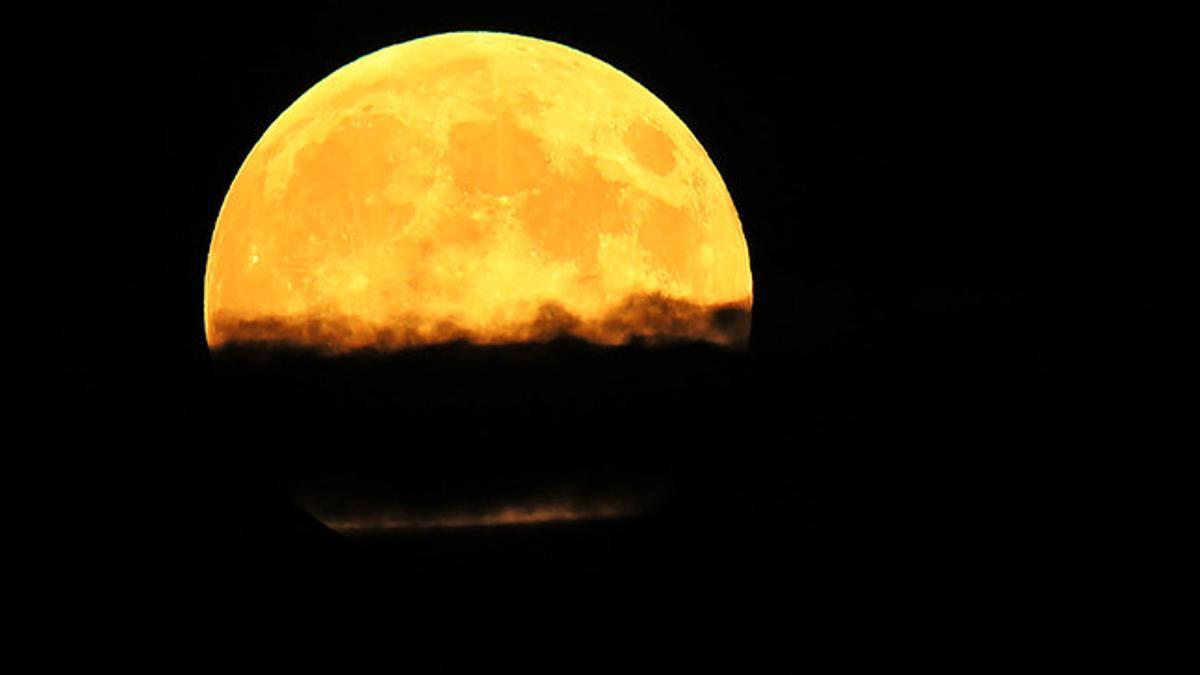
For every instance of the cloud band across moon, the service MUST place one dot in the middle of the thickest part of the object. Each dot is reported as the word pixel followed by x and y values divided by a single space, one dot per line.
pixel 652 319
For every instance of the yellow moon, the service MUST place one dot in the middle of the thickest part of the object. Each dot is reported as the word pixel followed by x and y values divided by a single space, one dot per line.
pixel 476 186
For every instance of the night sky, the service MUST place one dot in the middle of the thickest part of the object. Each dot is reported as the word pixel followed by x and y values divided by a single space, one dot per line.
pixel 931 421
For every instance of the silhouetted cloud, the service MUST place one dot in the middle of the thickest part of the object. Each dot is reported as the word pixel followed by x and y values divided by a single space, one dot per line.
pixel 649 319
pixel 524 513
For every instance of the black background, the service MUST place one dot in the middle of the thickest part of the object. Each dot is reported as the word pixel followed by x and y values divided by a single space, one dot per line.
pixel 932 430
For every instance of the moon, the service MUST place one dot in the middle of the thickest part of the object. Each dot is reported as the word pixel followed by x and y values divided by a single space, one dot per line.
pixel 476 186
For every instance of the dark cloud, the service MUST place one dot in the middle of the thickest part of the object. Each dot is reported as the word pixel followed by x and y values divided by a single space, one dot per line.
pixel 525 512
pixel 646 319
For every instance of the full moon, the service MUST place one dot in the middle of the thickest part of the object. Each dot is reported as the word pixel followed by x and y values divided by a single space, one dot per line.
pixel 483 187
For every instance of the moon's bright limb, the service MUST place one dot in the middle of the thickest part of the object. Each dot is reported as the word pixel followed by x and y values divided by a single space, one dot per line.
pixel 477 186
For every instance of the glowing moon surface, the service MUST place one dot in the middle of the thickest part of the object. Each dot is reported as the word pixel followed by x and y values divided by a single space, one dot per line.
pixel 476 186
